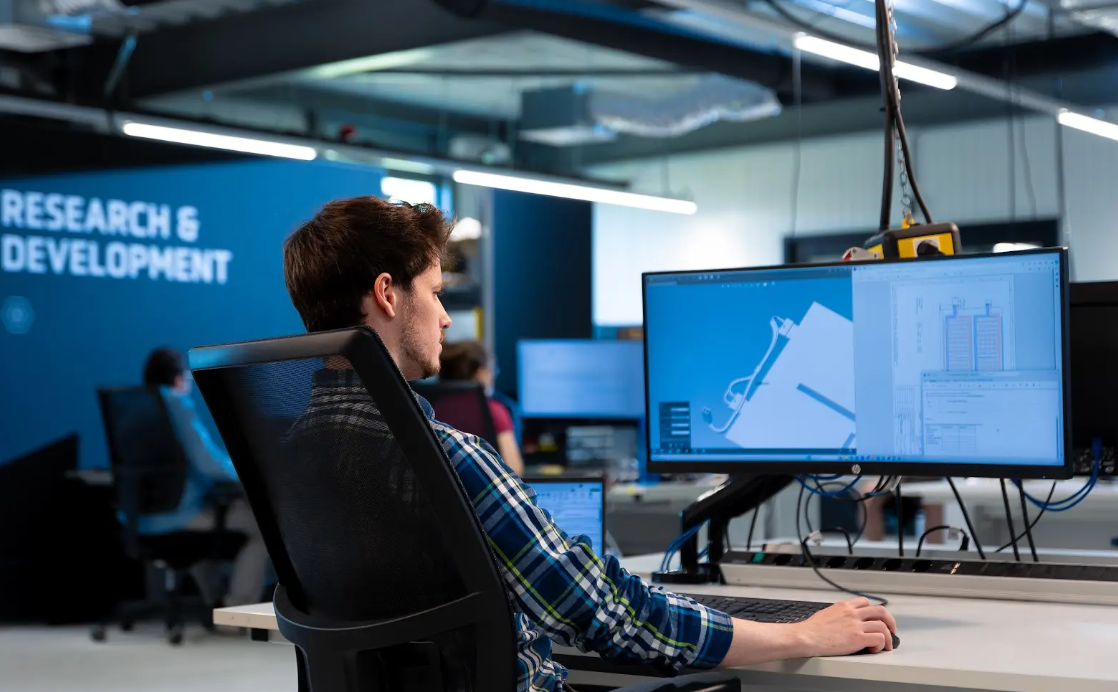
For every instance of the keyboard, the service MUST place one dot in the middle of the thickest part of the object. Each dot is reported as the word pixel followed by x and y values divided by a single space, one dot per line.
pixel 761 609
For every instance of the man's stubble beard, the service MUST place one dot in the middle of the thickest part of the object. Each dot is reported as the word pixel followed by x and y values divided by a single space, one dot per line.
pixel 412 346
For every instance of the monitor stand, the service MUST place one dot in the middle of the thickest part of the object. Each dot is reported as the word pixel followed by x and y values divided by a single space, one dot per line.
pixel 739 495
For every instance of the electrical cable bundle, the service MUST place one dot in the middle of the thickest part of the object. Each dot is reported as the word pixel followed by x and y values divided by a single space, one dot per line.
pixel 804 489
pixel 894 123
pixel 673 548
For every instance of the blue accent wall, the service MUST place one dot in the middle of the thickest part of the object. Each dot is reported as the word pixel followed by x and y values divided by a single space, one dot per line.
pixel 84 297
pixel 541 274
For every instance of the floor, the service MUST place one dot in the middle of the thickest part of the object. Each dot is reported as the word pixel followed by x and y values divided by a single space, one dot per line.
pixel 40 659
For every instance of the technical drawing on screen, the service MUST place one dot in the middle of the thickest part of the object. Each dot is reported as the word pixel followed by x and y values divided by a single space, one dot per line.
pixel 949 361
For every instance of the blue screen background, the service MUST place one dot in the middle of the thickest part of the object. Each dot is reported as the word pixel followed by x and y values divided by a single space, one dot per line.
pixel 718 334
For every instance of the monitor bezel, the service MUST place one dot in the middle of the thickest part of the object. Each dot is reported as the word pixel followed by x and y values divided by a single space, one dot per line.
pixel 520 343
pixel 878 468
pixel 598 480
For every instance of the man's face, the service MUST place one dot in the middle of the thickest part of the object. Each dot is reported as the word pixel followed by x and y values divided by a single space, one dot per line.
pixel 424 321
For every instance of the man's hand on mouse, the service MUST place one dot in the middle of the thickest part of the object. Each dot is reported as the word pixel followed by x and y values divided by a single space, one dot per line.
pixel 848 627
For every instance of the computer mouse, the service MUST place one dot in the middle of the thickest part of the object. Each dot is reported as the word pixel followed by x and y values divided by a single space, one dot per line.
pixel 896 645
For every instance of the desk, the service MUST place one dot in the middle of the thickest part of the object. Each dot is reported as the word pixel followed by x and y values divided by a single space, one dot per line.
pixel 1088 526
pixel 946 644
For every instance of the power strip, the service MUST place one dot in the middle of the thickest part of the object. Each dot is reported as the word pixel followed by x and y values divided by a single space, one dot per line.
pixel 1085 459
pixel 1054 582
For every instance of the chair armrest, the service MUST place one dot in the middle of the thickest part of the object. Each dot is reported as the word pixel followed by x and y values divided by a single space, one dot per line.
pixel 697 682
pixel 311 632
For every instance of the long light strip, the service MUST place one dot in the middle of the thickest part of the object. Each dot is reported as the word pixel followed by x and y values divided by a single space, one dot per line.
pixel 868 60
pixel 574 191
pixel 1095 126
pixel 199 138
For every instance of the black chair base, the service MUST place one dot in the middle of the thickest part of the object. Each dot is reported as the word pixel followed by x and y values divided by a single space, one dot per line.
pixel 169 605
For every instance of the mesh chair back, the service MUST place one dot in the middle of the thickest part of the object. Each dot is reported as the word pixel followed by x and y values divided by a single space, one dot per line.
pixel 362 513
pixel 462 405
pixel 148 462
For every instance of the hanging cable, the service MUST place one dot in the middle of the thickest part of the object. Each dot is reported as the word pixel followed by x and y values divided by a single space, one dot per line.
pixel 900 521
pixel 943 527
pixel 1009 520
pixel 1036 519
pixel 1028 528
pixel 951 47
pixel 966 518
pixel 752 525
pixel 811 558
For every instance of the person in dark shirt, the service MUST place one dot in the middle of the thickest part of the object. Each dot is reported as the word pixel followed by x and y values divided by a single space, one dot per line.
pixel 207 464
pixel 468 361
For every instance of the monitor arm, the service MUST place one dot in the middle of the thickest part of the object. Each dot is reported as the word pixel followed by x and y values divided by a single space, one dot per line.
pixel 739 495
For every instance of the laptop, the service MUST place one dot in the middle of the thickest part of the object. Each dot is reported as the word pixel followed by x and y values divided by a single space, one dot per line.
pixel 578 505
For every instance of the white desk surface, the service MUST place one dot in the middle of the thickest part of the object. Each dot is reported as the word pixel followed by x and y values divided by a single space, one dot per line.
pixel 949 643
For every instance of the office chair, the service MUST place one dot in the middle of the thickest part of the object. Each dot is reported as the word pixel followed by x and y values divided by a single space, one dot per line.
pixel 377 590
pixel 462 405
pixel 149 470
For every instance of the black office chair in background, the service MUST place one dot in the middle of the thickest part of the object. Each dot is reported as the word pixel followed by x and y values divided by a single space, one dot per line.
pixel 462 405
pixel 386 581
pixel 149 470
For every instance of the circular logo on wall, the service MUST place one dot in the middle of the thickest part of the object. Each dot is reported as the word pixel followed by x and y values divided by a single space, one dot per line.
pixel 17 314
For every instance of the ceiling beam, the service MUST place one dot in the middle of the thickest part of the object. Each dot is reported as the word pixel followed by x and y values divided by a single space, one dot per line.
pixel 618 28
pixel 275 41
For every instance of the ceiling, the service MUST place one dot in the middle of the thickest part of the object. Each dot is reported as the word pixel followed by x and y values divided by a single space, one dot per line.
pixel 424 76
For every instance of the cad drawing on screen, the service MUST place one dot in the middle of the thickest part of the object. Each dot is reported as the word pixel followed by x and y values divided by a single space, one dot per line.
pixel 801 392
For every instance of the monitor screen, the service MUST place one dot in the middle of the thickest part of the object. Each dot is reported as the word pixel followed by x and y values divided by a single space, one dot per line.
pixel 880 367
pixel 581 379
pixel 577 506
pixel 1094 379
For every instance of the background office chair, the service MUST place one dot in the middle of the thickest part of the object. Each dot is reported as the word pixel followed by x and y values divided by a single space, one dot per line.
pixel 377 589
pixel 462 405
pixel 149 475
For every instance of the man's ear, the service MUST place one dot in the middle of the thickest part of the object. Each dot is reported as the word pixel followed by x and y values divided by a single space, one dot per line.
pixel 385 295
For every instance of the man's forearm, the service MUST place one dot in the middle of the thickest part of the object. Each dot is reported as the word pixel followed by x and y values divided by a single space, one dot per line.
pixel 759 642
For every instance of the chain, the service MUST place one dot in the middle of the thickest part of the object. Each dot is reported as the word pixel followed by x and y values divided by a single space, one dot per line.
pixel 894 50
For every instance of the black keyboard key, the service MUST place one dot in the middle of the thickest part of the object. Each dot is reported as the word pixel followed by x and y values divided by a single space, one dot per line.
pixel 761 609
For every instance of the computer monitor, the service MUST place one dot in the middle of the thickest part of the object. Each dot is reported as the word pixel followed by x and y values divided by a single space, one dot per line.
pixel 578 506
pixel 581 379
pixel 1094 377
pixel 933 367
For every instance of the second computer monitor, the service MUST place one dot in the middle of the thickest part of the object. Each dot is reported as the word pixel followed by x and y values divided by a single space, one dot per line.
pixel 581 379
pixel 952 366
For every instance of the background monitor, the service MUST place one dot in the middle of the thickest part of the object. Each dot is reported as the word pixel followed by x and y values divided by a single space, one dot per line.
pixel 578 506
pixel 581 379
pixel 944 366
pixel 1094 377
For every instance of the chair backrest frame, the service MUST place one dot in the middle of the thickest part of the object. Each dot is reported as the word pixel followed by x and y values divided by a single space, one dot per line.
pixel 489 611
pixel 130 484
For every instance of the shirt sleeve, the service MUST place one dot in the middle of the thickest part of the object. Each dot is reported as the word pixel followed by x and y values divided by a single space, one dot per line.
pixel 502 419
pixel 571 594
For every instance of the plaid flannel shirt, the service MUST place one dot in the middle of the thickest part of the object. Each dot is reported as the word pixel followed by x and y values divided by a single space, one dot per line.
pixel 560 590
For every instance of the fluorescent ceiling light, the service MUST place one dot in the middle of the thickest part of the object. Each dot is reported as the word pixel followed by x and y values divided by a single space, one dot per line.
pixel 586 193
pixel 409 190
pixel 215 141
pixel 1095 126
pixel 868 60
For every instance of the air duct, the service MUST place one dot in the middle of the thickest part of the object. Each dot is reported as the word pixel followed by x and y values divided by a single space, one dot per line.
pixel 574 115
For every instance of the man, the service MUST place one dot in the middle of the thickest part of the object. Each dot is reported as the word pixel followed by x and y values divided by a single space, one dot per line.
pixel 207 464
pixel 364 261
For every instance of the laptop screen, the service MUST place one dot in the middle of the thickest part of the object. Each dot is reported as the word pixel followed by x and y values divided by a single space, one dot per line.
pixel 578 507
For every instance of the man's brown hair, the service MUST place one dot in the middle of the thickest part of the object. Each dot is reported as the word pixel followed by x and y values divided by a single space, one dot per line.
pixel 332 261
pixel 460 361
